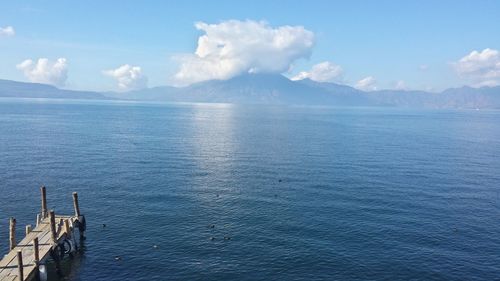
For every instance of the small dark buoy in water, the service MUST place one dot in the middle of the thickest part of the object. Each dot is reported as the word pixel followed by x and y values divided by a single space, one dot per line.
pixel 212 226
pixel 118 258
pixel 103 225
pixel 217 195
pixel 279 180
pixel 227 238
pixel 212 238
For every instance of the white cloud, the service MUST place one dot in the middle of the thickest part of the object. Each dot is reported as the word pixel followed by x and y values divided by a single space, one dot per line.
pixel 423 67
pixel 367 84
pixel 234 47
pixel 128 77
pixel 45 71
pixel 400 85
pixel 7 31
pixel 322 72
pixel 480 68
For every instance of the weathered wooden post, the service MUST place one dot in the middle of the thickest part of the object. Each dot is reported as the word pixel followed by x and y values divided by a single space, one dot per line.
pixel 44 201
pixel 36 257
pixel 81 219
pixel 36 252
pixel 28 229
pixel 20 266
pixel 38 219
pixel 12 233
pixel 67 228
pixel 75 204
pixel 53 226
pixel 54 253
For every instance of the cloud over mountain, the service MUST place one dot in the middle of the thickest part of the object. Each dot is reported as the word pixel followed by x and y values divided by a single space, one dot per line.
pixel 234 47
pixel 400 85
pixel 367 84
pixel 44 71
pixel 128 77
pixel 322 72
pixel 7 31
pixel 481 68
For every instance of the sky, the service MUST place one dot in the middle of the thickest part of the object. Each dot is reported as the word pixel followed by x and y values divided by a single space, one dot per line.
pixel 126 45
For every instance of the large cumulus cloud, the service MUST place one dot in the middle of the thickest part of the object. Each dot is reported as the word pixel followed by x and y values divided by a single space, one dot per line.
pixel 234 47
pixel 128 77
pixel 480 68
pixel 45 71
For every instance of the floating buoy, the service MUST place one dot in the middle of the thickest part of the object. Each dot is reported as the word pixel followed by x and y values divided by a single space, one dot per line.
pixel 118 258
pixel 155 246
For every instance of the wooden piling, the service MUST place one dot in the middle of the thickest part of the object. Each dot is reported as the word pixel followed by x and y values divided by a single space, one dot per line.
pixel 12 233
pixel 28 229
pixel 36 258
pixel 38 219
pixel 20 266
pixel 75 204
pixel 67 228
pixel 53 226
pixel 44 201
pixel 36 251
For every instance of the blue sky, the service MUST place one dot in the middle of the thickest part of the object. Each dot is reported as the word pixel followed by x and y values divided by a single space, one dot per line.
pixel 407 44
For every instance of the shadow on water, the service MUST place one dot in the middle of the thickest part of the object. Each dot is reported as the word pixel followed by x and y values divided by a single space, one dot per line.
pixel 70 265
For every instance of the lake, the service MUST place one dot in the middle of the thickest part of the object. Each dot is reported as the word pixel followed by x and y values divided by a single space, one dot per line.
pixel 231 192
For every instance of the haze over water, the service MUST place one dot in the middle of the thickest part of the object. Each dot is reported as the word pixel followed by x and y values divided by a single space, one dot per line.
pixel 303 193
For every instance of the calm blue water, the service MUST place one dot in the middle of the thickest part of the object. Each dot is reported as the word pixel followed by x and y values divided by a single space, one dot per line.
pixel 365 194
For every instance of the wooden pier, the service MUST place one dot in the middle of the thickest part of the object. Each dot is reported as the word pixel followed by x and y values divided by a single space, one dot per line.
pixel 53 237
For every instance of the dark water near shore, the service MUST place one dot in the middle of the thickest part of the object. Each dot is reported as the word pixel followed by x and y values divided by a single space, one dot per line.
pixel 304 193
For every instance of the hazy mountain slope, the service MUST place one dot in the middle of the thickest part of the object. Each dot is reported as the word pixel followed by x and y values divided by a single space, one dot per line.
pixel 163 93
pixel 464 97
pixel 274 89
pixel 467 97
pixel 339 94
pixel 256 89
pixel 35 90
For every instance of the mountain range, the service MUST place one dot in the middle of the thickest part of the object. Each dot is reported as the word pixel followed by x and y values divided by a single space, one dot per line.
pixel 273 89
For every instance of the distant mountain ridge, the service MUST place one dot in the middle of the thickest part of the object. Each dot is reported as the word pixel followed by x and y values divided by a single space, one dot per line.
pixel 16 89
pixel 273 89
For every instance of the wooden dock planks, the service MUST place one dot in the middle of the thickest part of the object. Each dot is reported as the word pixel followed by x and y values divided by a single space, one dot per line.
pixel 9 264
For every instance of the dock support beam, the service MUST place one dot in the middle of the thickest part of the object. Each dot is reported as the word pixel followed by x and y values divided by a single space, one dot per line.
pixel 12 233
pixel 67 228
pixel 53 226
pixel 20 266
pixel 36 251
pixel 81 219
pixel 36 258
pixel 75 204
pixel 44 201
